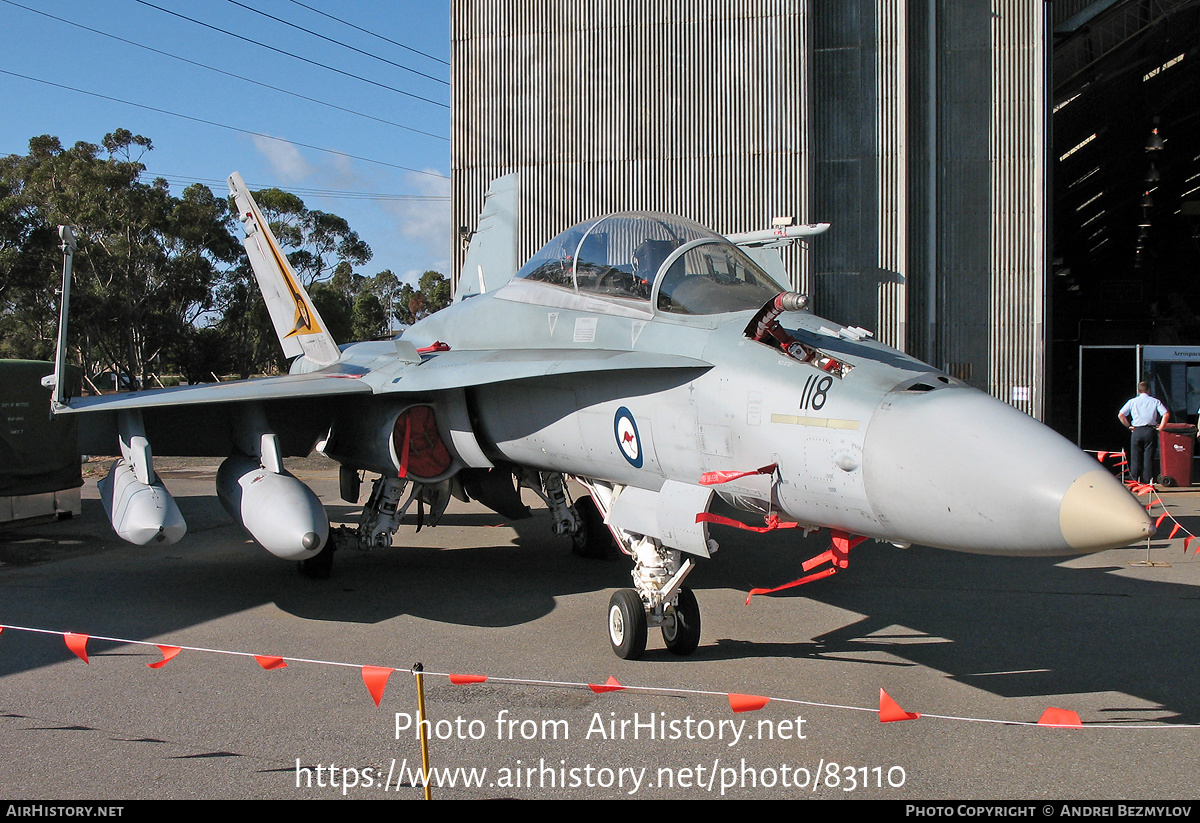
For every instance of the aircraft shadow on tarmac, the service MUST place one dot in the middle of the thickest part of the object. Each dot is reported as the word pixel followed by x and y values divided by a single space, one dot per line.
pixel 1013 627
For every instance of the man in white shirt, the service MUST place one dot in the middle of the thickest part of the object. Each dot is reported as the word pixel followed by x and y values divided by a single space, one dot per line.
pixel 1144 416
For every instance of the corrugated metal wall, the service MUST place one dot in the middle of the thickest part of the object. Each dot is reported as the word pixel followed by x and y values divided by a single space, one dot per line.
pixel 915 126
pixel 696 109
pixel 1017 151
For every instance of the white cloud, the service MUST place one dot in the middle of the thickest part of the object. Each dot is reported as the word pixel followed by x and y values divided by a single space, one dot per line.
pixel 285 159
pixel 427 222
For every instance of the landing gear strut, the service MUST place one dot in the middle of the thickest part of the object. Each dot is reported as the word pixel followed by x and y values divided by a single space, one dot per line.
pixel 659 598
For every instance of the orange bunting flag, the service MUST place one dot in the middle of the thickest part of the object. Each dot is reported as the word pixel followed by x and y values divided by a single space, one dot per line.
pixel 168 652
pixel 1064 718
pixel 463 679
pixel 747 702
pixel 1160 519
pixel 1102 456
pixel 375 678
pixel 269 663
pixel 1175 531
pixel 77 643
pixel 610 685
pixel 890 711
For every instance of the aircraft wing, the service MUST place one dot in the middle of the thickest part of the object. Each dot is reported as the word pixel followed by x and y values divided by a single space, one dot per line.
pixel 463 369
pixel 447 370
pixel 199 420
pixel 284 387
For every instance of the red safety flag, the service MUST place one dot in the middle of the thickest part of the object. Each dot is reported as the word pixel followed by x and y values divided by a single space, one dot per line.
pixel 168 652
pixel 464 679
pixel 404 448
pixel 715 478
pixel 890 711
pixel 77 643
pixel 794 583
pixel 1102 456
pixel 842 544
pixel 1060 717
pixel 1188 540
pixel 437 345
pixel 837 555
pixel 812 562
pixel 269 663
pixel 747 702
pixel 1175 530
pixel 610 685
pixel 375 678
pixel 772 520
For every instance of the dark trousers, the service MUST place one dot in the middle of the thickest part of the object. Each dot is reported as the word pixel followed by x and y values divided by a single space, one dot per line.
pixel 1142 450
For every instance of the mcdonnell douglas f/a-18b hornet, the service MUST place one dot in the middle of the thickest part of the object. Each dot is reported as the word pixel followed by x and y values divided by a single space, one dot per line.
pixel 650 359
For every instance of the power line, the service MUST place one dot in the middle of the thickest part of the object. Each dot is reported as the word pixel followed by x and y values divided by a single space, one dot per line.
pixel 226 73
pixel 180 180
pixel 290 54
pixel 223 126
pixel 339 42
pixel 367 31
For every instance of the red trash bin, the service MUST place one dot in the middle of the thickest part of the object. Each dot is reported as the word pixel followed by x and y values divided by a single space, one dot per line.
pixel 1176 443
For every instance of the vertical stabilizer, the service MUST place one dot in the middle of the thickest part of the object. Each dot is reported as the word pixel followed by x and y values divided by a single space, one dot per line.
pixel 297 323
pixel 491 260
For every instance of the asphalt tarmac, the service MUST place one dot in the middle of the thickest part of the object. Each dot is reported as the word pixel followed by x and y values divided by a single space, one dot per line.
pixel 979 646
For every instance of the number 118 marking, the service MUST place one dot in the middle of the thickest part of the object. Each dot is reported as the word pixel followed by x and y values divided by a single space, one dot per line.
pixel 815 392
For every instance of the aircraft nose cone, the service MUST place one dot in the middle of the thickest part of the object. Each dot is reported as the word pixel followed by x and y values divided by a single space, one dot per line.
pixel 957 469
pixel 1095 512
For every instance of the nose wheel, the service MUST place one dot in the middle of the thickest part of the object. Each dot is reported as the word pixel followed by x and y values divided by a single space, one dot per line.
pixel 627 624
pixel 681 624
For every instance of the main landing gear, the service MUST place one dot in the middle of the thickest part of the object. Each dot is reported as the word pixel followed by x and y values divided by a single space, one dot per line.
pixel 658 600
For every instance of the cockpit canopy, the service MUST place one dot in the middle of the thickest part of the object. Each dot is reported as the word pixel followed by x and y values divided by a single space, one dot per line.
pixel 679 266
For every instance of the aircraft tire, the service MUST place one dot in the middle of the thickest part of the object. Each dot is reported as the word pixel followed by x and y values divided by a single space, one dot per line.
pixel 627 624
pixel 593 540
pixel 682 635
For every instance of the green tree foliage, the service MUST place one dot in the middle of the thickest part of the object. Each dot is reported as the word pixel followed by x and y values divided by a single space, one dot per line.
pixel 161 282
pixel 323 249
pixel 432 294
pixel 146 262
pixel 316 243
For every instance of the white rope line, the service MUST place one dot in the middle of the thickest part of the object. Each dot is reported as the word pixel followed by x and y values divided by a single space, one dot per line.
pixel 595 687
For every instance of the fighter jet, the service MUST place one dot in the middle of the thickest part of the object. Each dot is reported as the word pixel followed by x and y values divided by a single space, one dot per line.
pixel 648 358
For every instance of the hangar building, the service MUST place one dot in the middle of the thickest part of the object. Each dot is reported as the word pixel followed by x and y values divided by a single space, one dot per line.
pixel 921 129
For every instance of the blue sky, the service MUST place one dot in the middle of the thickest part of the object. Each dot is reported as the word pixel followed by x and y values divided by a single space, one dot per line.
pixel 407 235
